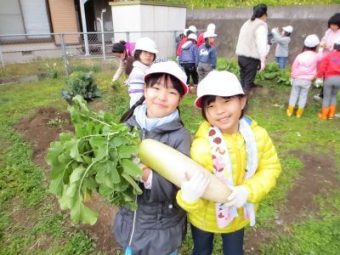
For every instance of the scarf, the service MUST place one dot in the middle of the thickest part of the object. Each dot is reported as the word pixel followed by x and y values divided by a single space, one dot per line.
pixel 147 123
pixel 223 170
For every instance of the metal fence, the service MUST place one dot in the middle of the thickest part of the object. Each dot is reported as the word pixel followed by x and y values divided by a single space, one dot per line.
pixel 23 48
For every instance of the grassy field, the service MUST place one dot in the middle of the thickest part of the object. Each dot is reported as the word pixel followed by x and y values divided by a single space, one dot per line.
pixel 309 149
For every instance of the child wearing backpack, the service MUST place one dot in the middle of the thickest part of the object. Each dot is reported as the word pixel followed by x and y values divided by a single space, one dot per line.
pixel 304 69
pixel 240 153
pixel 158 226
pixel 123 50
pixel 144 56
pixel 189 59
pixel 282 40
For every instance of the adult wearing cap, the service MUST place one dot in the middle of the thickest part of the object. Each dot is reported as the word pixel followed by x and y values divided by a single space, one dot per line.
pixel 144 55
pixel 252 46
pixel 282 40
pixel 158 225
pixel 200 39
pixel 207 56
pixel 189 59
pixel 240 153
pixel 329 70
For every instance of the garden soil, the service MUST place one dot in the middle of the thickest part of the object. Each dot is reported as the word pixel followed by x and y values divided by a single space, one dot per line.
pixel 318 176
pixel 44 127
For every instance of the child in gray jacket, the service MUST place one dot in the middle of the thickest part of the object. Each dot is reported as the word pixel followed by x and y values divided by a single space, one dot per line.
pixel 282 40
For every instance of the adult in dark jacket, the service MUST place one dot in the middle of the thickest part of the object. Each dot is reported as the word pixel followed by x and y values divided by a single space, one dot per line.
pixel 158 226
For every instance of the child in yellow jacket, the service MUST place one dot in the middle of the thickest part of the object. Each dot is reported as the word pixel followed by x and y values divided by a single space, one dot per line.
pixel 240 153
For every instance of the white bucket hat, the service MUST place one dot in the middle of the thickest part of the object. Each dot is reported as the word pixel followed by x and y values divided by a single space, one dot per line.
pixel 209 34
pixel 288 29
pixel 218 83
pixel 192 36
pixel 211 27
pixel 146 44
pixel 311 41
pixel 169 67
pixel 193 29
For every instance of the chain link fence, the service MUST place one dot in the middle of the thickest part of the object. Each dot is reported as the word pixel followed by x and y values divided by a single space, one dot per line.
pixel 71 48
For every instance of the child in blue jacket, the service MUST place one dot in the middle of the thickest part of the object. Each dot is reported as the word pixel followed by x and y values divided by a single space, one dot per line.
pixel 206 55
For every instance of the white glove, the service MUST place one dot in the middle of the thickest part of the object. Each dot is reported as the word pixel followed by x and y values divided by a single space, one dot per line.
pixel 318 82
pixel 238 196
pixel 275 30
pixel 194 188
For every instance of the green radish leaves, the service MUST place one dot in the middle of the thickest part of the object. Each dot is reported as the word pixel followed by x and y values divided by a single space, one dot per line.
pixel 98 157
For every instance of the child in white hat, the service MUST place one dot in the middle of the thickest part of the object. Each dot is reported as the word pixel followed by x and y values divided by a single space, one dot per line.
pixel 240 153
pixel 158 225
pixel 207 56
pixel 282 40
pixel 304 69
pixel 144 55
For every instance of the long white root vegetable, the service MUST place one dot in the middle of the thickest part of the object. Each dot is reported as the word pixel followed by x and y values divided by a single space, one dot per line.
pixel 172 165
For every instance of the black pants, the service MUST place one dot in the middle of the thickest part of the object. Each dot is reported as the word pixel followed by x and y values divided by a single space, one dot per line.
pixel 248 68
pixel 190 71
pixel 203 242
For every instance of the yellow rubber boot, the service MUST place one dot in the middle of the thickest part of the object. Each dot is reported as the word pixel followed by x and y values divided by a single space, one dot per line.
pixel 331 112
pixel 323 115
pixel 290 110
pixel 299 112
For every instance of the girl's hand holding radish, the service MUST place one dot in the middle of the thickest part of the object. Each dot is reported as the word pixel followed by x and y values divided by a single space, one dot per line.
pixel 194 188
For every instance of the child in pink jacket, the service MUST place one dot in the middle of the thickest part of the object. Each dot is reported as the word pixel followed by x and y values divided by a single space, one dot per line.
pixel 304 70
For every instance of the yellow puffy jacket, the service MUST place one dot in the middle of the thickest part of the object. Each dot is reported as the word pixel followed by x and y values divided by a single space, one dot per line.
pixel 201 213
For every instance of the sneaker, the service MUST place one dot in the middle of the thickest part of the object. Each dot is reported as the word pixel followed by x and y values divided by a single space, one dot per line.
pixel 317 98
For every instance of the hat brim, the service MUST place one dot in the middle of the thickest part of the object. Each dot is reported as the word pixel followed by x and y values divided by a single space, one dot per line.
pixel 184 85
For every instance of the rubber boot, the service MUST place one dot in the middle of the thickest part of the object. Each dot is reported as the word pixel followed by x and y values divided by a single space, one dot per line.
pixel 331 112
pixel 323 115
pixel 299 112
pixel 290 110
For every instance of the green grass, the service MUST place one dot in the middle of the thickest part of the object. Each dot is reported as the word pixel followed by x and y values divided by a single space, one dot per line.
pixel 47 230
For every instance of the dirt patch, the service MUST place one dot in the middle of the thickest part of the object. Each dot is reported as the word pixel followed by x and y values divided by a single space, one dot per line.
pixel 317 177
pixel 44 127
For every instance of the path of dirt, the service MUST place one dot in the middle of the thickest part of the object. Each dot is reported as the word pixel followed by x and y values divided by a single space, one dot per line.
pixel 42 128
pixel 317 177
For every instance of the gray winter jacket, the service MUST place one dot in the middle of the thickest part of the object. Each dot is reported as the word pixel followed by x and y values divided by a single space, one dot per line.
pixel 282 45
pixel 159 226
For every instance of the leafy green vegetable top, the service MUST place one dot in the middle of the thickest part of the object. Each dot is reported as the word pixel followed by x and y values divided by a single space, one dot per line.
pixel 98 157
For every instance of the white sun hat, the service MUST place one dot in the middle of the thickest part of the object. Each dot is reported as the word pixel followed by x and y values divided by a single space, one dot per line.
pixel 209 34
pixel 146 44
pixel 218 83
pixel 192 36
pixel 288 29
pixel 211 27
pixel 169 67
pixel 311 41
pixel 193 29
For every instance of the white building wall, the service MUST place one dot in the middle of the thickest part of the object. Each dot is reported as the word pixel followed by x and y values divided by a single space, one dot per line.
pixel 160 23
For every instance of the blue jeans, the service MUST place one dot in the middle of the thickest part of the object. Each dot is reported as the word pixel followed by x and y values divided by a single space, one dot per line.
pixel 282 62
pixel 203 242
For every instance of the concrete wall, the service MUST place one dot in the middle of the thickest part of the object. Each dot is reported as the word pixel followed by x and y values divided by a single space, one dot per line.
pixel 304 19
